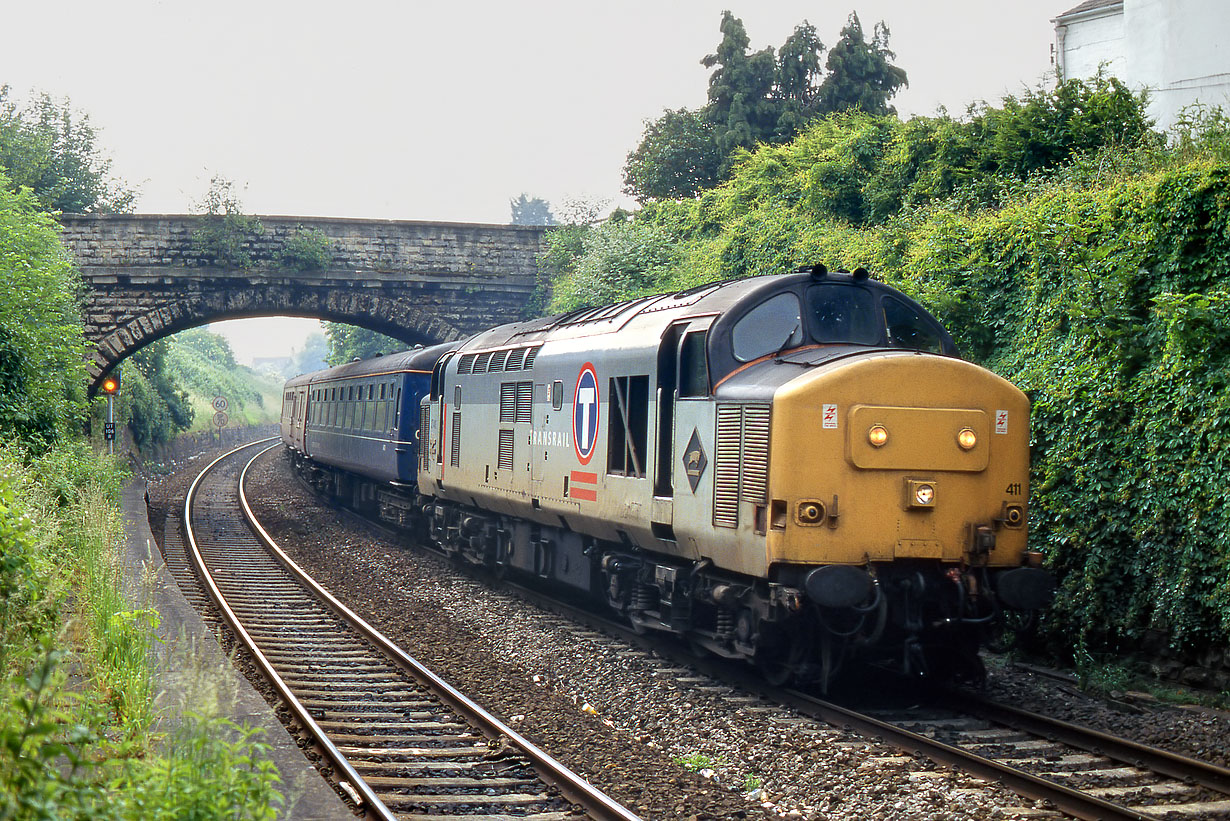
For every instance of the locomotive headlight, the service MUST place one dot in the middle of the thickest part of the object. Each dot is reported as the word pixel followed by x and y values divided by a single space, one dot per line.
pixel 877 436
pixel 924 494
pixel 967 439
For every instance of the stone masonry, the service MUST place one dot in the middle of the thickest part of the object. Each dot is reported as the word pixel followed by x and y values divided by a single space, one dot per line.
pixel 419 282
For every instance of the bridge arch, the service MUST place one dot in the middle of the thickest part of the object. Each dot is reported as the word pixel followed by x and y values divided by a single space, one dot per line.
pixel 404 322
pixel 419 282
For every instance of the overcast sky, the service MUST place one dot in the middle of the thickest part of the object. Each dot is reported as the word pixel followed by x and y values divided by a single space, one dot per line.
pixel 443 110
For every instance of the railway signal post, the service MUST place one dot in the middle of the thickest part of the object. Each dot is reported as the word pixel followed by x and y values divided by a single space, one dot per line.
pixel 111 389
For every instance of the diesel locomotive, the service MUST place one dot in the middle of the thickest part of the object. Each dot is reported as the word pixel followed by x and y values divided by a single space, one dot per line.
pixel 793 469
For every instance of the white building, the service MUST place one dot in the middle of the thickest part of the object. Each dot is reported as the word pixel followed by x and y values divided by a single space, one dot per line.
pixel 1178 49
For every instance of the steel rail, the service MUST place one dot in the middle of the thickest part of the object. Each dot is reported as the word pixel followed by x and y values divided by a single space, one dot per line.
pixel 1188 770
pixel 373 803
pixel 576 789
pixel 1070 801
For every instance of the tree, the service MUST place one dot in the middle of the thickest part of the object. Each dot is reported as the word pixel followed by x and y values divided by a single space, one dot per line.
pixel 531 211
pixel 157 407
pixel 348 342
pixel 860 75
pixel 51 149
pixel 798 78
pixel 42 346
pixel 678 157
pixel 314 356
pixel 740 89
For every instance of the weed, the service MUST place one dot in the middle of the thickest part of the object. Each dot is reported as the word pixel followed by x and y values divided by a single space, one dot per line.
pixel 695 762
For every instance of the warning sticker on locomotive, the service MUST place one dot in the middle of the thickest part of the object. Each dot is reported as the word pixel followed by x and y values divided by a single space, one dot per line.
pixel 829 417
pixel 585 414
pixel 1001 421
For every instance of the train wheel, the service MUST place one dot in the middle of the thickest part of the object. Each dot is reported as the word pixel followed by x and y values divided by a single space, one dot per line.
pixel 780 663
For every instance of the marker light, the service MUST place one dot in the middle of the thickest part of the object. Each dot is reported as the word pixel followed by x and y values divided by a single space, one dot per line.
pixel 967 439
pixel 924 494
pixel 877 436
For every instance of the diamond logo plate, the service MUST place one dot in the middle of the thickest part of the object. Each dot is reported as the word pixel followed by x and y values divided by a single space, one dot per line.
pixel 694 460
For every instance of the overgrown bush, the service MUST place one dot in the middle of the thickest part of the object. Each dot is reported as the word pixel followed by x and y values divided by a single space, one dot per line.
pixel 42 347
pixel 87 750
pixel 226 234
pixel 307 249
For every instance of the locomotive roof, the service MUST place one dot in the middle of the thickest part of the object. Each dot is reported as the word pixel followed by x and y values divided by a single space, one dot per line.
pixel 417 359
pixel 711 299
pixel 703 300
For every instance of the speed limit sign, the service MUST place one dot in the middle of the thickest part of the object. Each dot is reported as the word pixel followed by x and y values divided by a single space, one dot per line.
pixel 220 419
pixel 220 403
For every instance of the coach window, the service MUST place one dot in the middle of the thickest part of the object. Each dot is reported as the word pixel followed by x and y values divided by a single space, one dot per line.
pixel 907 328
pixel 771 326
pixel 382 414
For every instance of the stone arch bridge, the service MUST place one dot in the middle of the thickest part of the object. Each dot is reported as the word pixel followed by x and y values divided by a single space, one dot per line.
pixel 418 282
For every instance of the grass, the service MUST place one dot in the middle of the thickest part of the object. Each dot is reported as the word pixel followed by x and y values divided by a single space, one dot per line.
pixel 79 729
pixel 1111 679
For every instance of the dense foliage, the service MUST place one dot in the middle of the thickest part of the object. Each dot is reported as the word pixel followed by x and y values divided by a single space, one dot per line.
pixel 307 249
pixel 226 233
pixel 47 147
pixel 760 97
pixel 78 727
pixel 349 342
pixel 1099 283
pixel 42 348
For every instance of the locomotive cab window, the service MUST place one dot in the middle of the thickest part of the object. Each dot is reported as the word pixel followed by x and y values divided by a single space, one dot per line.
pixel 843 313
pixel 693 365
pixel 557 395
pixel 771 326
pixel 907 328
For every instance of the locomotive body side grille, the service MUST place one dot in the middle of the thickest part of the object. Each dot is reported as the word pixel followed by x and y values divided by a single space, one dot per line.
pixel 754 455
pixel 505 460
pixel 454 458
pixel 741 460
pixel 726 466
pixel 424 424
pixel 508 401
pixel 525 401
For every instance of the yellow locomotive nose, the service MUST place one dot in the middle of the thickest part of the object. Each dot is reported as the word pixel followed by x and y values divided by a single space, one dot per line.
pixel 918 454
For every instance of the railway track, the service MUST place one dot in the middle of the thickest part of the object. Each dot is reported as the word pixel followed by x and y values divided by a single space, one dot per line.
pixel 400 742
pixel 1080 772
